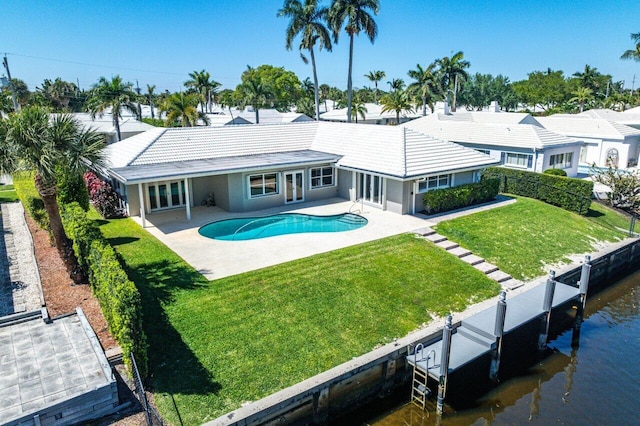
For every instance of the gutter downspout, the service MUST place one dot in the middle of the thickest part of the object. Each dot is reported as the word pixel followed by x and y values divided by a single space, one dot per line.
pixel 141 197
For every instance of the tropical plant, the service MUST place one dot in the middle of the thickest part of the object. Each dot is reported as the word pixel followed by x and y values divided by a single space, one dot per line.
pixel 325 91
pixel 396 84
pixel 336 95
pixel 182 108
pixel 451 71
pixel 31 140
pixel 151 97
pixel 202 84
pixel 635 52
pixel 582 95
pixel 397 101
pixel 115 95
pixel 590 78
pixel 624 186
pixel 307 20
pixel 426 86
pixel 375 77
pixel 358 109
pixel 58 93
pixel 357 18
pixel 254 91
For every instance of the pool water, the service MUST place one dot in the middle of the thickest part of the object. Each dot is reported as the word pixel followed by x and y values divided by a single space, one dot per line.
pixel 251 228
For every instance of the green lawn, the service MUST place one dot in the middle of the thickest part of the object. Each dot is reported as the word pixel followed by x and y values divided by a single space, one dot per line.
pixel 216 344
pixel 7 194
pixel 523 237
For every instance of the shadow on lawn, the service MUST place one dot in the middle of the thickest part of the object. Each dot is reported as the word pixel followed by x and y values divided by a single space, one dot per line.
pixel 121 240
pixel 174 368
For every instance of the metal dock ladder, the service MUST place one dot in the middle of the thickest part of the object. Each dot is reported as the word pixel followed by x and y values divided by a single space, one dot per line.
pixel 419 389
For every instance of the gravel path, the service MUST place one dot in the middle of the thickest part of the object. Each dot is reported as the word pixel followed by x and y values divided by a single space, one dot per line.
pixel 20 289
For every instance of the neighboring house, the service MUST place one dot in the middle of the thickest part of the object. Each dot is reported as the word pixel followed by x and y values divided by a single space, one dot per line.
pixel 129 126
pixel 627 118
pixel 606 142
pixel 516 140
pixel 271 116
pixel 225 120
pixel 251 168
pixel 372 115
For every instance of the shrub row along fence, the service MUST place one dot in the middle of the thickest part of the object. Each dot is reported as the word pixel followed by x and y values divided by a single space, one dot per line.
pixel 118 296
pixel 567 193
pixel 441 200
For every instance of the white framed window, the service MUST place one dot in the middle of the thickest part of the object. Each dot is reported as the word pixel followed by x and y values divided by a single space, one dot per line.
pixel 517 160
pixel 434 182
pixel 561 161
pixel 261 185
pixel 321 176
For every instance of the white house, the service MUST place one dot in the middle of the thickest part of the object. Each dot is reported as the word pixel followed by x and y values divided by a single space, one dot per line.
pixel 104 124
pixel 606 142
pixel 372 115
pixel 516 140
pixel 256 167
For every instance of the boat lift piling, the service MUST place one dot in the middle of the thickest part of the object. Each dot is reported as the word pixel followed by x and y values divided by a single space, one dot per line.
pixel 501 313
pixel 546 309
pixel 444 364
pixel 585 273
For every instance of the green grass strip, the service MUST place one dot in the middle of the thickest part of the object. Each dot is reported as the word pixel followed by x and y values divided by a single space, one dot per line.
pixel 523 237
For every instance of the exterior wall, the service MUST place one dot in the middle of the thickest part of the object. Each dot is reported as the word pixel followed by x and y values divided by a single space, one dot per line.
pixel 597 150
pixel 457 179
pixel 203 186
pixel 499 153
pixel 396 199
pixel 574 150
pixel 133 200
pixel 345 185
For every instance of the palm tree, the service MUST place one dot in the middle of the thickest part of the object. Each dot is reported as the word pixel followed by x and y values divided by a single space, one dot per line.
pixel 202 84
pixel 582 95
pixel 32 140
pixel 253 91
pixel 58 92
pixel 375 77
pixel 357 18
pixel 183 108
pixel 396 84
pixel 589 78
pixel 397 101
pixel 325 90
pixel 114 94
pixel 307 21
pixel 425 86
pixel 151 97
pixel 358 109
pixel 635 52
pixel 452 69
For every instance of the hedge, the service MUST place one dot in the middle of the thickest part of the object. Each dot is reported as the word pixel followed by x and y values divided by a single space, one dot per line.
pixel 441 200
pixel 118 296
pixel 555 172
pixel 567 193
pixel 25 188
pixel 71 188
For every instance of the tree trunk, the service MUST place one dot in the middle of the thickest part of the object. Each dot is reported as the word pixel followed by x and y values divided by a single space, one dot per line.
pixel 151 105
pixel 116 120
pixel 455 90
pixel 315 83
pixel 257 115
pixel 424 106
pixel 349 83
pixel 48 193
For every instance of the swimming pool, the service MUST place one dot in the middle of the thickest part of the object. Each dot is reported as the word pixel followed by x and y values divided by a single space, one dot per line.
pixel 251 228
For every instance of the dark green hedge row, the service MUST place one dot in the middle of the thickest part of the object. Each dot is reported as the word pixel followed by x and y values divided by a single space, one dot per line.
pixel 26 190
pixel 442 200
pixel 118 296
pixel 567 193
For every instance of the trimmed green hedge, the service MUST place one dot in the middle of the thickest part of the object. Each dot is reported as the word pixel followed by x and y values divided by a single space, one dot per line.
pixel 118 296
pixel 26 190
pixel 442 200
pixel 567 193
pixel 555 172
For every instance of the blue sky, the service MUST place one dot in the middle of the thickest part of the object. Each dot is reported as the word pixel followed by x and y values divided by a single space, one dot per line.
pixel 160 42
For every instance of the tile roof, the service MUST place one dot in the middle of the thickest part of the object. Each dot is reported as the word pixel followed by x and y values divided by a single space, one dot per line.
pixel 527 136
pixel 487 117
pixel 104 123
pixel 585 126
pixel 373 112
pixel 627 118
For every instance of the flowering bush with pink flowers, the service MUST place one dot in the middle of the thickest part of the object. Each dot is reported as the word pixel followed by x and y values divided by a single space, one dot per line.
pixel 104 199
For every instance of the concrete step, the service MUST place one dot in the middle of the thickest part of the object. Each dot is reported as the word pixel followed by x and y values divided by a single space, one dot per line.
pixel 511 284
pixel 499 276
pixel 472 259
pixel 472 335
pixel 435 238
pixel 459 251
pixel 486 267
pixel 424 231
pixel 447 245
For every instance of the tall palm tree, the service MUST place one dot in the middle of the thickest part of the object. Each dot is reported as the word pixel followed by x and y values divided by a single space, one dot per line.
pixel 453 69
pixel 375 77
pixel 307 21
pixel 581 95
pixel 357 18
pixel 396 84
pixel 253 91
pixel 201 83
pixel 31 140
pixel 635 52
pixel 397 101
pixel 589 77
pixel 183 108
pixel 358 109
pixel 114 94
pixel 325 90
pixel 151 98
pixel 425 86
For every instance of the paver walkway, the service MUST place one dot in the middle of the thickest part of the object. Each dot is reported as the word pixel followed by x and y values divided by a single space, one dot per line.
pixel 20 288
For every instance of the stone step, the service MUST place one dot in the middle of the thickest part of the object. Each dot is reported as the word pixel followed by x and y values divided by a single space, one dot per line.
pixel 424 231
pixel 435 238
pixel 486 267
pixel 447 245
pixel 459 251
pixel 472 259
pixel 499 276
pixel 511 284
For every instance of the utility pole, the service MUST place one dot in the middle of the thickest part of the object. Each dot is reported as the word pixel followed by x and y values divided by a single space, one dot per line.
pixel 16 107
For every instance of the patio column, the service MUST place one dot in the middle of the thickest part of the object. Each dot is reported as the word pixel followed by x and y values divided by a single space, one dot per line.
pixel 141 196
pixel 187 198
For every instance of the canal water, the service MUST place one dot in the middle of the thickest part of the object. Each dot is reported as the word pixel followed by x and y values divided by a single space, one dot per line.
pixel 595 384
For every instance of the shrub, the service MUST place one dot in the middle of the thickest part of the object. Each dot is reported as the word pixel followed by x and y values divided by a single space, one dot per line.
pixel 567 193
pixel 35 207
pixel 105 200
pixel 71 188
pixel 441 200
pixel 555 172
pixel 118 296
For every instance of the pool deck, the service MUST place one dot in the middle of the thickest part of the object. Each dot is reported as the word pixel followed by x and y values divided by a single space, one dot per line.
pixel 218 259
